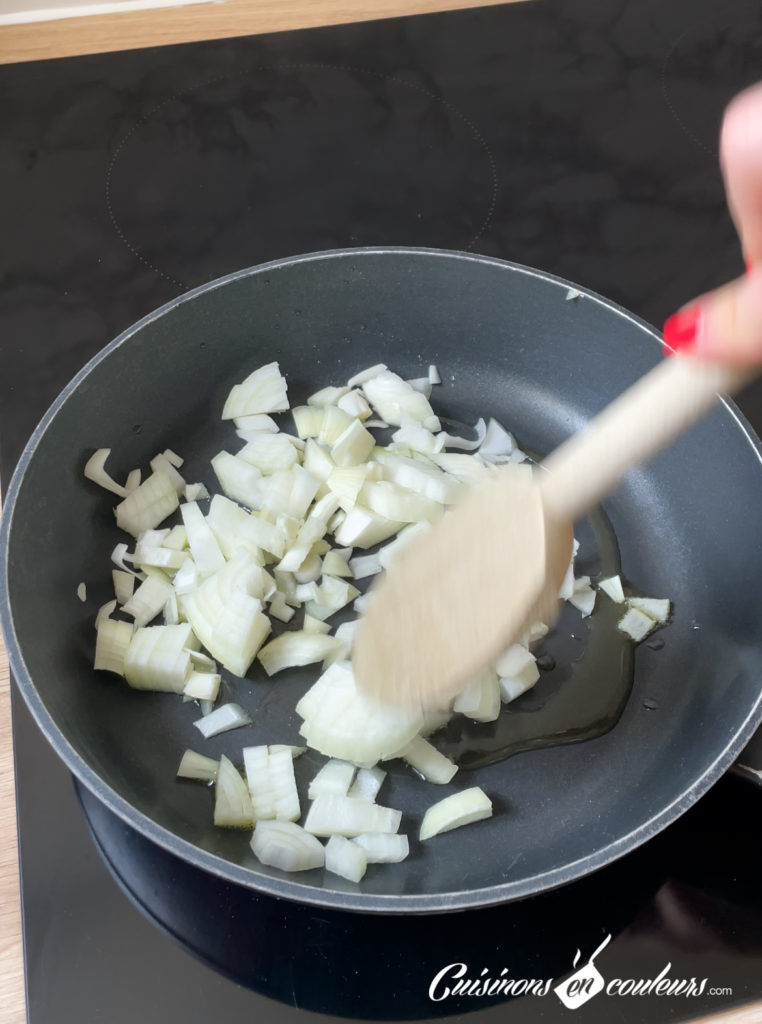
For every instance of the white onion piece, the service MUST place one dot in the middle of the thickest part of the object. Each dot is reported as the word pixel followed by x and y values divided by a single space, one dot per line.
pixel 313 625
pixel 82 592
pixel 422 477
pixel 269 453
pixel 226 717
pixel 133 480
pixel 333 594
pixel 345 858
pixel 255 424
pixel 376 424
pixel 334 777
pixel 296 649
pixel 238 633
pixel 158 658
pixel 454 811
pixel 239 480
pixel 186 579
pixel 368 782
pixel 354 403
pixel 171 612
pixel 263 391
pixel 118 556
pixel 430 762
pixel 397 504
pixel 517 668
pixel 383 847
pixel 197 766
pixel 463 443
pixel 387 554
pixel 202 686
pixel 161 464
pixel 394 400
pixel 147 506
pixel 365 565
pixel 235 528
pixel 335 565
pixel 346 816
pixel 124 585
pixel 111 643
pixel 232 804
pixel 201 540
pixel 360 378
pixel 583 596
pixel 480 701
pixel 327 396
pixel 418 438
pixel 95 471
pixel 196 492
pixel 497 444
pixel 434 377
pixel 346 483
pixel 272 786
pixel 353 446
pixel 422 384
pixel 464 468
pixel 148 600
pixel 656 608
pixel 341 721
pixel 612 587
pixel 279 609
pixel 636 624
pixel 285 845
pixel 104 611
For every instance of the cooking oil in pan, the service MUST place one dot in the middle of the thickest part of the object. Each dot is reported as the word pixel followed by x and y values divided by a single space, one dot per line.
pixel 586 673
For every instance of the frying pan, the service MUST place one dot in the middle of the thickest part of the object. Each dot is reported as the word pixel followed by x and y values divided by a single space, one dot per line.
pixel 510 342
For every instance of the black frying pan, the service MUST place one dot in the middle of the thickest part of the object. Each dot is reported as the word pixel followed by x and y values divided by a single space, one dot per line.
pixel 510 344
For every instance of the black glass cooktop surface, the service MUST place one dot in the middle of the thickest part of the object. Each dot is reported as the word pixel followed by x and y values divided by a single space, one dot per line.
pixel 578 136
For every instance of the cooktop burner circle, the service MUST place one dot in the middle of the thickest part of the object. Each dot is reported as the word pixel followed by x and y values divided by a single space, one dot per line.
pixel 224 174
pixel 711 61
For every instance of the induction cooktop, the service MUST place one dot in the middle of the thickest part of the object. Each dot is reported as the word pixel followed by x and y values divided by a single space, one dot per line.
pixel 578 136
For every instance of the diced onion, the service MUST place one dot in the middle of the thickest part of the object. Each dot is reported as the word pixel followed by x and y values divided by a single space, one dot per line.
pixel 454 811
pixel 334 777
pixel 383 847
pixel 285 845
pixel 227 716
pixel 346 816
pixel 232 804
pixel 612 587
pixel 197 766
pixel 345 858
pixel 95 471
pixel 429 761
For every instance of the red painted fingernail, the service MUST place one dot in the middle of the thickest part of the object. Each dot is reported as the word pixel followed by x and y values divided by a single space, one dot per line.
pixel 681 330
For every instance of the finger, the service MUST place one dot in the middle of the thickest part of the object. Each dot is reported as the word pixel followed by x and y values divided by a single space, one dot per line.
pixel 741 162
pixel 723 325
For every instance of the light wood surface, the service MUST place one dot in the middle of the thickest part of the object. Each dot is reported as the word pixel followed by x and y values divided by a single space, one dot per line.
pixel 68 37
pixel 106 33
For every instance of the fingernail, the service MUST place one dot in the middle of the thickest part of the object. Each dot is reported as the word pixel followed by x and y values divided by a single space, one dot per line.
pixel 681 330
pixel 749 266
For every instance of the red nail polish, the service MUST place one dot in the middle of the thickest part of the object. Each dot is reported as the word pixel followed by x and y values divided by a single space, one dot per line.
pixel 681 330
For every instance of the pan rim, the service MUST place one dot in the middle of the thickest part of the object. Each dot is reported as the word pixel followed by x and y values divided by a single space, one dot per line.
pixel 285 888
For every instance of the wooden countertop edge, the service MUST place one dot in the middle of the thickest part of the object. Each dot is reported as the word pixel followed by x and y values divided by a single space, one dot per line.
pixel 104 33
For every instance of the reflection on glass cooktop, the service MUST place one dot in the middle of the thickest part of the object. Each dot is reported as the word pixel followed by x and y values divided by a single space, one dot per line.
pixel 573 135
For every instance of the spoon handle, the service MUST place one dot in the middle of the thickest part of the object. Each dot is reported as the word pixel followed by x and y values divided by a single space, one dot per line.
pixel 638 424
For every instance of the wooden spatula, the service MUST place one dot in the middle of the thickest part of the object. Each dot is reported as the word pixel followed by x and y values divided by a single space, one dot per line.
pixel 453 601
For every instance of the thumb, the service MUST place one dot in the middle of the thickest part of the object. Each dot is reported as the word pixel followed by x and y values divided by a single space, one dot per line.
pixel 724 325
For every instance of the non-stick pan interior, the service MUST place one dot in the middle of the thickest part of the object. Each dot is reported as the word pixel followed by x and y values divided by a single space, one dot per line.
pixel 509 343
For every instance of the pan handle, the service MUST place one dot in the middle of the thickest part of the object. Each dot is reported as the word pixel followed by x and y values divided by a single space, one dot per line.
pixel 632 429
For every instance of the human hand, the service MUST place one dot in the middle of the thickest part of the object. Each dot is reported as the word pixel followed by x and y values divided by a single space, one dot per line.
pixel 726 324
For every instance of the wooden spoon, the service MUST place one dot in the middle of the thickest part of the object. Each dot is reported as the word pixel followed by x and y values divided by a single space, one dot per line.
pixel 460 595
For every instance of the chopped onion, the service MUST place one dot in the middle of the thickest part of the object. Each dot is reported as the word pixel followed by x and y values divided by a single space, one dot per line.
pixel 387 554
pixel 111 643
pixel 197 766
pixel 365 565
pixel 459 809
pixel 346 816
pixel 296 648
pixel 612 587
pixel 636 624
pixel 383 847
pixel 232 804
pixel 272 786
pixel 327 396
pixel 124 584
pixel 341 721
pixel 345 858
pixel 158 658
pixel 161 464
pixel 235 528
pixel 133 480
pixel 201 540
pixel 255 424
pixel 334 777
pixel 269 452
pixel 434 377
pixel 177 538
pixel 394 400
pixel 202 686
pixel 656 608
pixel 425 479
pixel 104 611
pixel 263 391
pixel 418 438
pixel 196 492
pixel 171 611
pixel 354 403
pixel 360 378
pixel 313 625
pixel 148 600
pixel 238 479
pixel 279 609
pixel 333 594
pixel 498 444
pixel 226 717
pixel 285 845
pixel 118 556
pixel 147 506
pixel 464 468
pixel 368 782
pixel 430 762
pixel 518 672
pixel 395 503
pixel 353 446
pixel 335 565
pixel 346 483
pixel 422 384
pixel 236 635
pixel 95 471
pixel 82 592
pixel 583 596
pixel 480 701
